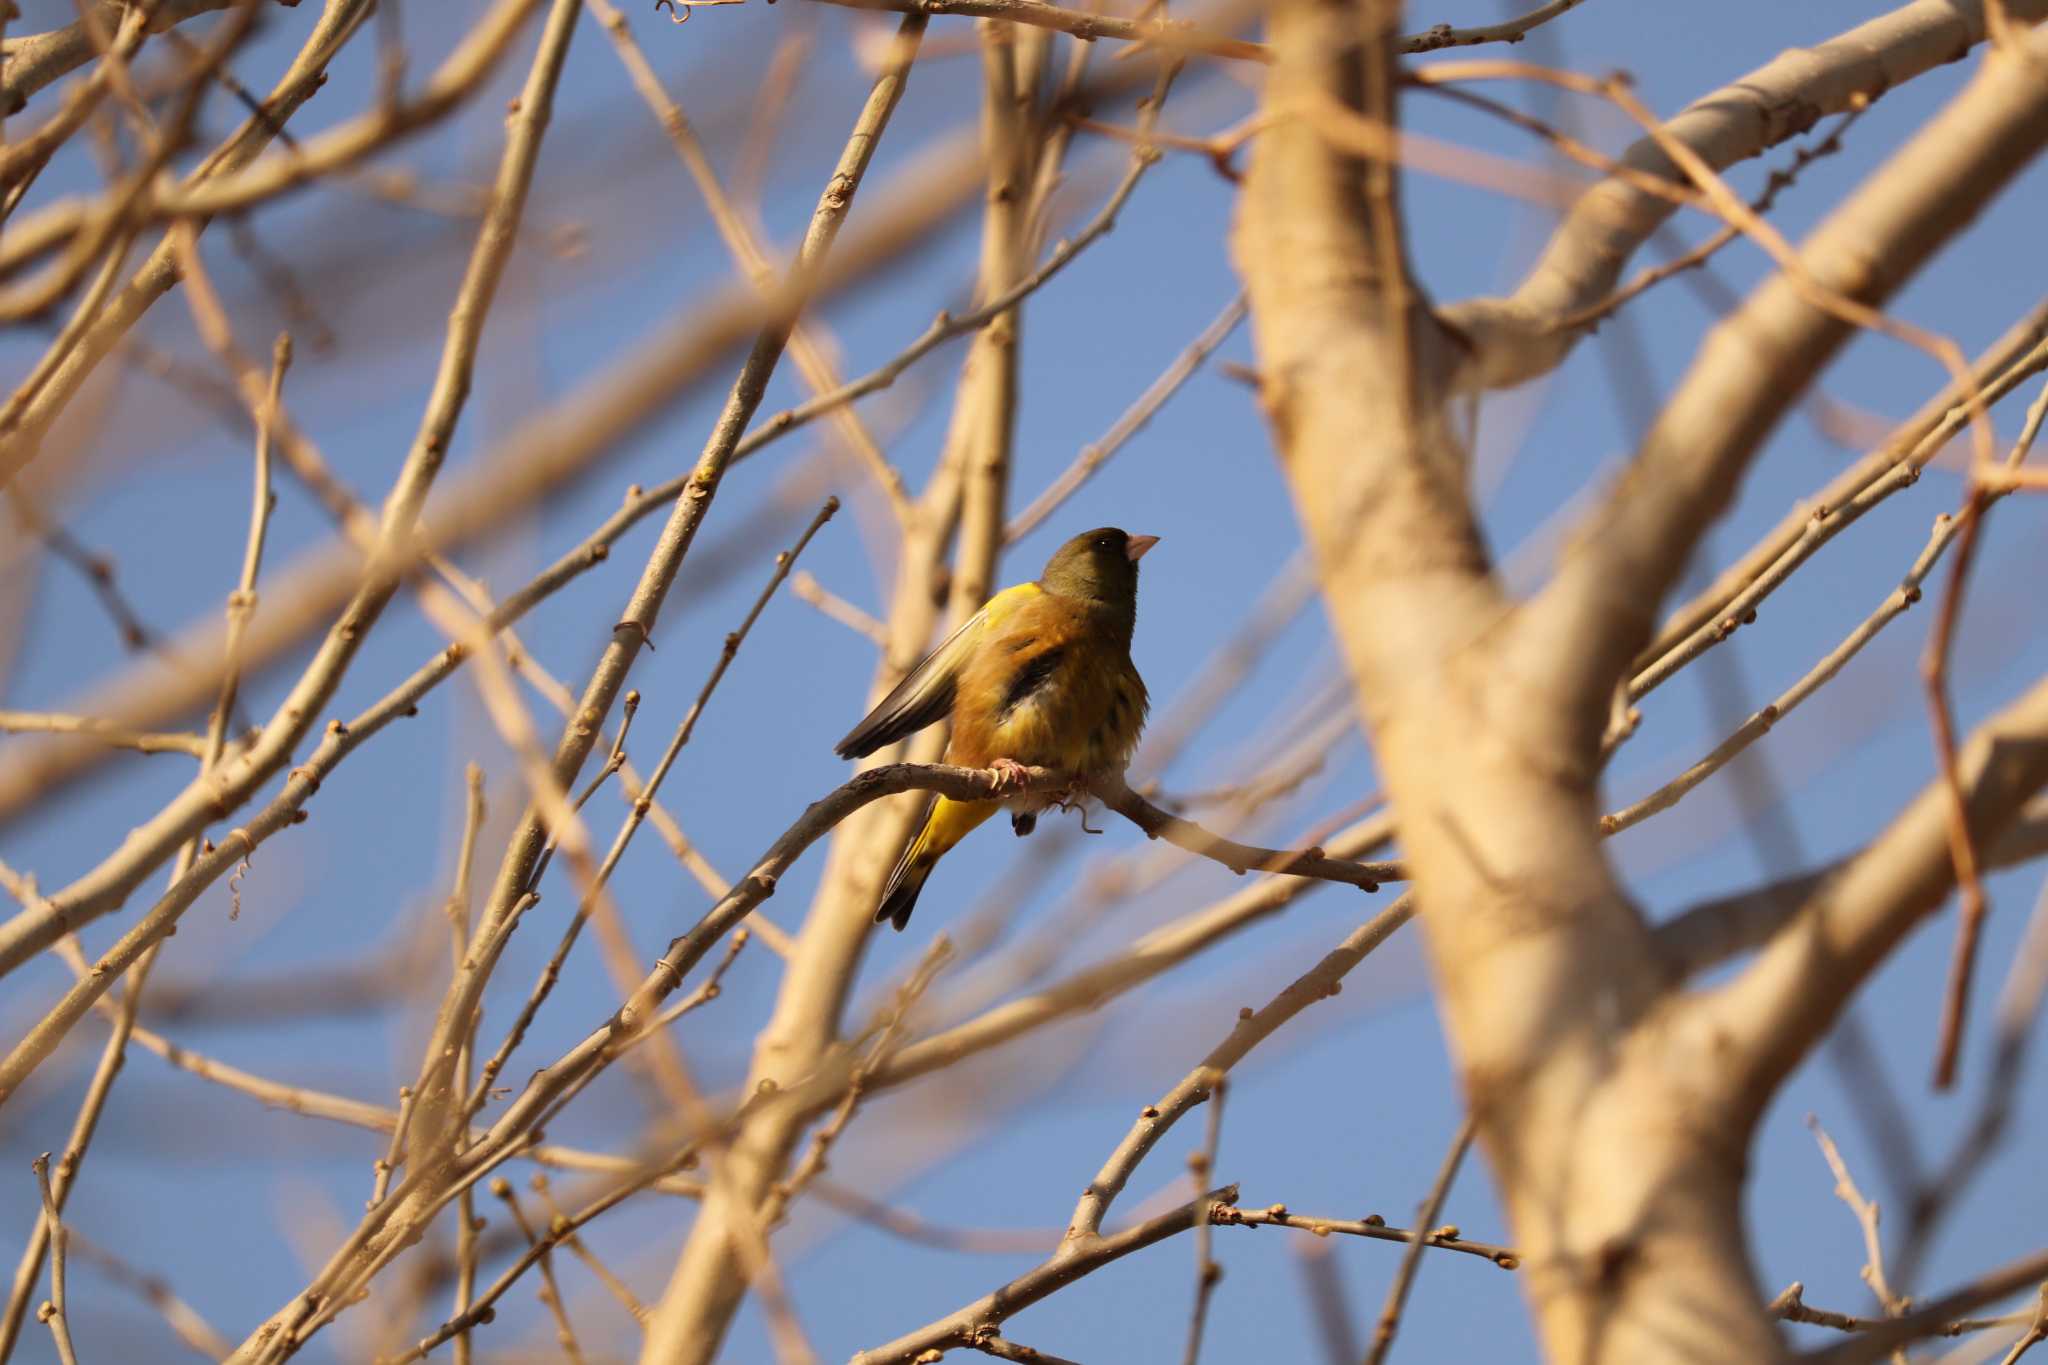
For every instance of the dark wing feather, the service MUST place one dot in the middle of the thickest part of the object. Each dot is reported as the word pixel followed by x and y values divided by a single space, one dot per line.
pixel 1035 673
pixel 925 695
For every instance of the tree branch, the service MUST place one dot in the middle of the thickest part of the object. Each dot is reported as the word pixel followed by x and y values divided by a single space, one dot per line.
pixel 1183 39
pixel 1597 612
pixel 623 397
pixel 1517 338
pixel 215 793
pixel 36 60
pixel 1883 1337
pixel 2017 355
pixel 1766 1020
pixel 1241 858
pixel 1373 1229
pixel 1318 983
pixel 1074 1259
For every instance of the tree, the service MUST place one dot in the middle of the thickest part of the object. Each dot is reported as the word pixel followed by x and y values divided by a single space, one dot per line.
pixel 1617 1065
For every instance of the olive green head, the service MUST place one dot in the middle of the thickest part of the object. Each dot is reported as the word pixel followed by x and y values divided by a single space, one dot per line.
pixel 1100 566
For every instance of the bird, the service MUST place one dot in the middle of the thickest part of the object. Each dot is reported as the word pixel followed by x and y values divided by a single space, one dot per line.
pixel 1041 676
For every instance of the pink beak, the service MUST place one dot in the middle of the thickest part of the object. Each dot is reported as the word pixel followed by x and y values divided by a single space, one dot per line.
pixel 1136 546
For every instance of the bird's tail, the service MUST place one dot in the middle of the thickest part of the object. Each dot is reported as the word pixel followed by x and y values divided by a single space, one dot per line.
pixel 946 824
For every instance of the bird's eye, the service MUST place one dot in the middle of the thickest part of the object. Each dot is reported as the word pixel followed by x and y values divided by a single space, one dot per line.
pixel 1104 542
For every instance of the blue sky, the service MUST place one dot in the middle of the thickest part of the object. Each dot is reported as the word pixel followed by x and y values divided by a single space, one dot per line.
pixel 1346 1112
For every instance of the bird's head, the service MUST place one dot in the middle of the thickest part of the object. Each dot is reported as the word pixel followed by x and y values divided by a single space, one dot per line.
pixel 1100 565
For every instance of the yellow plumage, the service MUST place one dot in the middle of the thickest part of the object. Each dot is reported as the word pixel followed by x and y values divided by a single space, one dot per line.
pixel 1041 676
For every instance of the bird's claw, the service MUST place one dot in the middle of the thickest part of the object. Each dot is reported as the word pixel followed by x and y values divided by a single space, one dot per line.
pixel 1009 773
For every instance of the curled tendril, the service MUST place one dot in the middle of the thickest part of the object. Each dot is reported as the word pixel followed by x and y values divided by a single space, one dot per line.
pixel 677 14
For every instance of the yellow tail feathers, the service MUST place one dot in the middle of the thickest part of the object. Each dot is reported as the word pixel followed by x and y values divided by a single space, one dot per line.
pixel 945 825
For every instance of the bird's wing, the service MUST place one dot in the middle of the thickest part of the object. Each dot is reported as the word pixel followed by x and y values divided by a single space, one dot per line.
pixel 926 692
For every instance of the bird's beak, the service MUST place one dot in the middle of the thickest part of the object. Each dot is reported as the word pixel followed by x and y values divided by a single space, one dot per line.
pixel 1137 545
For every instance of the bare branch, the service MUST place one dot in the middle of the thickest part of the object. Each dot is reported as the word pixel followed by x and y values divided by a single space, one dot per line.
pixel 1241 858
pixel 1596 613
pixel 622 398
pixel 53 1311
pixel 1711 932
pixel 116 736
pixel 104 889
pixel 2021 353
pixel 1932 1318
pixel 1791 1306
pixel 1208 1272
pixel 1095 453
pixel 984 1316
pixel 37 60
pixel 1867 1215
pixel 1319 983
pixel 1770 1016
pixel 1373 1228
pixel 1182 39
pixel 21 443
pixel 1411 1260
pixel 1516 338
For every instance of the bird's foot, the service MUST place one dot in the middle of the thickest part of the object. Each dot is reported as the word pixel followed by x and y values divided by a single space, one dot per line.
pixel 1009 773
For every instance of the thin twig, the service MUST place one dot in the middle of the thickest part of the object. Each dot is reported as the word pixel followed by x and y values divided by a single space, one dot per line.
pixel 808 589
pixel 2037 1330
pixel 98 570
pixel 105 731
pixel 183 1320
pixel 1133 420
pixel 628 1300
pixel 458 909
pixel 240 603
pixel 1866 1213
pixel 1765 719
pixel 1934 671
pixel 1411 1260
pixel 1372 1228
pixel 1184 39
pixel 1789 1306
pixel 946 326
pixel 1931 1198
pixel 1154 1121
pixel 53 1311
pixel 551 1289
pixel 808 346
pixel 1969 884
pixel 1208 1273
pixel 1003 1349
pixel 588 904
pixel 1779 180
pixel 888 1037
pixel 983 1316
pixel 1705 619
pixel 1939 1317
pixel 483 1309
